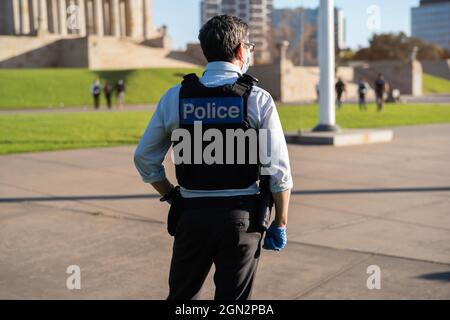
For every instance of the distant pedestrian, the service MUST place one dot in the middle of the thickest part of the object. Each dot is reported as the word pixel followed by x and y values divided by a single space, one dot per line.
pixel 340 89
pixel 108 91
pixel 120 91
pixel 363 89
pixel 318 92
pixel 96 91
pixel 380 89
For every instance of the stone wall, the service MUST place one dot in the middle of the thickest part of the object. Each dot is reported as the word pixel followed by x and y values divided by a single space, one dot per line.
pixel 195 51
pixel 437 68
pixel 73 53
pixel 269 76
pixel 403 75
pixel 28 52
pixel 288 83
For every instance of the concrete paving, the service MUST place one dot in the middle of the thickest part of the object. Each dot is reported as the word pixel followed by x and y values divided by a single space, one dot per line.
pixel 385 204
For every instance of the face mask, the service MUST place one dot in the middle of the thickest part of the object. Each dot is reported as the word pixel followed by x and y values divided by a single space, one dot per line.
pixel 246 65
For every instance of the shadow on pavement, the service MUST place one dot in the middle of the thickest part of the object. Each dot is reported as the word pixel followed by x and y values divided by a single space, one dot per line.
pixel 154 196
pixel 439 276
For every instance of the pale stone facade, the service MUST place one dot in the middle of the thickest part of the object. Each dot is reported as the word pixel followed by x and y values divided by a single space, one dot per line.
pixel 120 18
pixel 97 34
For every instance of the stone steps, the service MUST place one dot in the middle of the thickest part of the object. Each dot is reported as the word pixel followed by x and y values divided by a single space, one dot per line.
pixel 116 53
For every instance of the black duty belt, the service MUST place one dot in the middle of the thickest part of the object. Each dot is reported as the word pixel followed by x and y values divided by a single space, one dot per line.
pixel 235 202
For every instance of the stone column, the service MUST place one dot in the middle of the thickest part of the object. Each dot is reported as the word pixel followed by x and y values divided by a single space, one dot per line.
pixel 136 21
pixel 24 17
pixel 148 23
pixel 34 16
pixel 54 16
pixel 115 18
pixel 16 13
pixel 98 8
pixel 82 12
pixel 42 17
pixel 62 17
pixel 123 18
pixel 9 18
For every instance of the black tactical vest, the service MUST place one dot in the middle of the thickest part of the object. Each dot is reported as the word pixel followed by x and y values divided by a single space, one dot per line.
pixel 219 108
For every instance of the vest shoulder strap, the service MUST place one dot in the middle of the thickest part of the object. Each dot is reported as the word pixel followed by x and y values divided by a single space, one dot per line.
pixel 244 84
pixel 189 78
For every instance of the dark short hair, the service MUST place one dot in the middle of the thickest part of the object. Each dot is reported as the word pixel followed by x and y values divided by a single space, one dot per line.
pixel 221 36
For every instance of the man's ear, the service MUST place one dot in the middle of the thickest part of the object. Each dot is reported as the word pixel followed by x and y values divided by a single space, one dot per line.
pixel 240 52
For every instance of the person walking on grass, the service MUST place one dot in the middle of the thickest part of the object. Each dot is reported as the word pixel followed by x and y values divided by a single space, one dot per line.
pixel 120 92
pixel 96 91
pixel 363 89
pixel 108 91
pixel 380 88
pixel 340 89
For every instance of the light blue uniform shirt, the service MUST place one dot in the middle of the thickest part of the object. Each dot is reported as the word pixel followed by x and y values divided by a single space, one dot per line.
pixel 262 114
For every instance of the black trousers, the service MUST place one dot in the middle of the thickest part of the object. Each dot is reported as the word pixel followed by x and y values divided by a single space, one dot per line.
pixel 380 101
pixel 108 100
pixel 215 231
pixel 96 101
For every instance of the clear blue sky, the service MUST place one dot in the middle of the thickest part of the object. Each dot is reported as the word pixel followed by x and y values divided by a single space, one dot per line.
pixel 183 17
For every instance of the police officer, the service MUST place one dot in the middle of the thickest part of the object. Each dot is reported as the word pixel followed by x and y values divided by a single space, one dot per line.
pixel 217 203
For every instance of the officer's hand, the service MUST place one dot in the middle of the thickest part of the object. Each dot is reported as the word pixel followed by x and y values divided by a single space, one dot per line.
pixel 276 238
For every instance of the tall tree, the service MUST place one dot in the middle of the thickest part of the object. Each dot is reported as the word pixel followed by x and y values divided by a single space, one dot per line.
pixel 391 46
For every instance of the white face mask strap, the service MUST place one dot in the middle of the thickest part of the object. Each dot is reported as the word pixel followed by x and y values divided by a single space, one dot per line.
pixel 246 64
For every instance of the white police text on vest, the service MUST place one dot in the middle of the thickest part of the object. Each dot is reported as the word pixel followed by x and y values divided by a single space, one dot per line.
pixel 212 110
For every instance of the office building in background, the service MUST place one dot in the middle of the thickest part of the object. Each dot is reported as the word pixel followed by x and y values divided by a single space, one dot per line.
pixel 431 22
pixel 300 26
pixel 257 13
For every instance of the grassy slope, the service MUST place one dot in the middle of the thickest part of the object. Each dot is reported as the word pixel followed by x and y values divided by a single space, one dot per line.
pixel 42 132
pixel 47 88
pixel 432 84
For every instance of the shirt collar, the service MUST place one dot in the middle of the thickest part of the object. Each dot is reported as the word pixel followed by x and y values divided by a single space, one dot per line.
pixel 221 67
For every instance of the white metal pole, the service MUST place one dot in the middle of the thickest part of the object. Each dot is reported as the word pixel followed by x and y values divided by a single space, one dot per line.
pixel 326 64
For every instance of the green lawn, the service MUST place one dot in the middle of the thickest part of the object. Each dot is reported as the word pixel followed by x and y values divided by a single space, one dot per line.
pixel 45 132
pixel 294 118
pixel 432 84
pixel 53 88
pixel 50 88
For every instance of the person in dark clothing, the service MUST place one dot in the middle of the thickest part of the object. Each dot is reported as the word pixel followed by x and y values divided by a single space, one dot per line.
pixel 96 91
pixel 120 91
pixel 380 89
pixel 340 89
pixel 318 92
pixel 108 90
pixel 363 88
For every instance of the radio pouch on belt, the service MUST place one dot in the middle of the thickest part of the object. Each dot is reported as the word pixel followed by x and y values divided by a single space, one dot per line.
pixel 265 204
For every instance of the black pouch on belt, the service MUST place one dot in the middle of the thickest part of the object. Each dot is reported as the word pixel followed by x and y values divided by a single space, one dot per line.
pixel 265 204
pixel 175 211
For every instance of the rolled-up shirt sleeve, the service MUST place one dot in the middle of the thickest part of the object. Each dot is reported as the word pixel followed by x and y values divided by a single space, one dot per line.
pixel 155 143
pixel 280 170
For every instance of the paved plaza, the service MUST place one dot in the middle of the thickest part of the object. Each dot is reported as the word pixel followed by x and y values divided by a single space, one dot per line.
pixel 385 204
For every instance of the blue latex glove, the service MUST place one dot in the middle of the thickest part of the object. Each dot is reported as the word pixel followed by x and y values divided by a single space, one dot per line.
pixel 276 238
